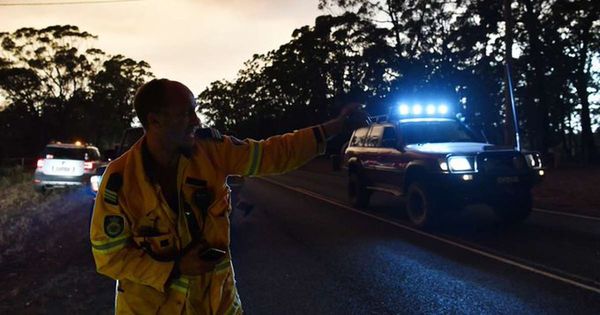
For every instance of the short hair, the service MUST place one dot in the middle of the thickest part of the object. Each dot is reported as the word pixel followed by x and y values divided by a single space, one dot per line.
pixel 150 98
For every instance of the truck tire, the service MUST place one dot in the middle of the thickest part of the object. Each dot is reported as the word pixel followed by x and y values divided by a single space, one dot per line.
pixel 514 209
pixel 422 207
pixel 358 194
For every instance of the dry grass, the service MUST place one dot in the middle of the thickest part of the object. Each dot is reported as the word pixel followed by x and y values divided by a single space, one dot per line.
pixel 573 190
pixel 21 208
pixel 45 257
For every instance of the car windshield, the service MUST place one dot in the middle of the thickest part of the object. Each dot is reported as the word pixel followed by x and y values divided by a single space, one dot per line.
pixel 436 131
pixel 70 153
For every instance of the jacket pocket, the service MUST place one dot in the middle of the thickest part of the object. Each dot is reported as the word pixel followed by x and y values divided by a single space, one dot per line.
pixel 133 298
pixel 162 247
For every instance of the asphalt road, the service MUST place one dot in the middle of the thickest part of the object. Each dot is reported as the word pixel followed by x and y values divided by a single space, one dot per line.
pixel 569 246
pixel 295 254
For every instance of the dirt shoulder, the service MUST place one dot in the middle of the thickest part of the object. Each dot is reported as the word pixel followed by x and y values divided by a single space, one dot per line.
pixel 45 256
pixel 573 190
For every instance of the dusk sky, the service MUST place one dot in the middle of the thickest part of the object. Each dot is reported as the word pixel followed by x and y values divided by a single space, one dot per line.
pixel 192 41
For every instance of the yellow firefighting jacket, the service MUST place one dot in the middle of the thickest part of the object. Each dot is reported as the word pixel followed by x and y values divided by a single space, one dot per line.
pixel 135 234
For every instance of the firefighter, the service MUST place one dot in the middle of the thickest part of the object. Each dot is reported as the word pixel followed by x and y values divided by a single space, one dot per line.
pixel 160 225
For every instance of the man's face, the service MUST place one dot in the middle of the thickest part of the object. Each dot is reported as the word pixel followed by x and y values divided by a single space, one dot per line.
pixel 178 121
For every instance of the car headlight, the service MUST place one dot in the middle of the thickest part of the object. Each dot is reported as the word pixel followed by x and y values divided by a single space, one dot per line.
pixel 534 160
pixel 460 164
pixel 95 182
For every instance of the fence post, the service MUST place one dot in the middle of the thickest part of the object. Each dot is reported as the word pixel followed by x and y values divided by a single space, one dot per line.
pixel 22 163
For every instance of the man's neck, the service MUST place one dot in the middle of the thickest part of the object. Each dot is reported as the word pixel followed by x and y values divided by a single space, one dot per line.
pixel 163 154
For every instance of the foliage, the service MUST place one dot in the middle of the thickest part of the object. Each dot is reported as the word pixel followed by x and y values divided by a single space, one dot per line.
pixel 374 51
pixel 55 86
pixel 382 51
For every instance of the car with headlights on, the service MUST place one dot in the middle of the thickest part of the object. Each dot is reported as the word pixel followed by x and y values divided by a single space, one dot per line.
pixel 65 165
pixel 438 165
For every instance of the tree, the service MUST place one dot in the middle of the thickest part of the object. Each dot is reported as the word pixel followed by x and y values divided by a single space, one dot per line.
pixel 579 28
pixel 54 90
pixel 304 80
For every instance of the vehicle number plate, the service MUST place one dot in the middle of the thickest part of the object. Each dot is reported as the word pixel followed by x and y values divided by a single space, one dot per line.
pixel 507 180
pixel 62 169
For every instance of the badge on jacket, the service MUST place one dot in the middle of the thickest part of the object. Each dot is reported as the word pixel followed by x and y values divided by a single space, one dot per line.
pixel 115 181
pixel 113 225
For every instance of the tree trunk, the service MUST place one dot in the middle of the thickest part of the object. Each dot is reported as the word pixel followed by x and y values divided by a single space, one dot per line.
pixel 538 99
pixel 588 147
pixel 581 84
pixel 395 26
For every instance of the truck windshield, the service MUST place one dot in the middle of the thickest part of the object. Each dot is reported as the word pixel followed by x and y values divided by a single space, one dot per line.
pixel 436 131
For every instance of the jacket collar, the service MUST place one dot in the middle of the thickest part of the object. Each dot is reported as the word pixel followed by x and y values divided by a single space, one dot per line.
pixel 138 185
pixel 140 179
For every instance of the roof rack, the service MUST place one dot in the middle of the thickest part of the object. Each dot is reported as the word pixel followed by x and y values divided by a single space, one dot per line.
pixel 77 143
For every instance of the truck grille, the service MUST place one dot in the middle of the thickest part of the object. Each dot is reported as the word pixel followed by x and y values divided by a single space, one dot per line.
pixel 501 163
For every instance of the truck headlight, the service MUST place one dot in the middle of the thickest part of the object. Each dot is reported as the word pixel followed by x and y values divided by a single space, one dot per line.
pixel 534 160
pixel 460 164
pixel 443 165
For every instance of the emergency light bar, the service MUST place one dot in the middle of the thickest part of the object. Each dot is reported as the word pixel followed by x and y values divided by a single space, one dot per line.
pixel 420 110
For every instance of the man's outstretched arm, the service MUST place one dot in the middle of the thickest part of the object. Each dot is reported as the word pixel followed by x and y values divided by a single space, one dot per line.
pixel 282 153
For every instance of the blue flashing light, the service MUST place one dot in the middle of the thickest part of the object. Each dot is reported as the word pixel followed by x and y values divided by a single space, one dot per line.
pixel 404 109
pixel 430 109
pixel 443 109
pixel 417 109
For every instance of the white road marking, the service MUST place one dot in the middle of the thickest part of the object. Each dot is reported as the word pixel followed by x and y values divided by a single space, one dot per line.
pixel 443 240
pixel 580 216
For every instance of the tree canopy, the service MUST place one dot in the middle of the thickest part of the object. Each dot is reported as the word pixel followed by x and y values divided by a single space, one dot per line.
pixel 56 86
pixel 380 52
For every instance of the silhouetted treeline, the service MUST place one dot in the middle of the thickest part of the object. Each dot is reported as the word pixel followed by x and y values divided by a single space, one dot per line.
pixel 55 86
pixel 382 52
pixel 375 51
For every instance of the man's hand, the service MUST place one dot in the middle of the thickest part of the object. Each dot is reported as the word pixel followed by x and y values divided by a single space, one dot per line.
pixel 351 117
pixel 355 117
pixel 191 264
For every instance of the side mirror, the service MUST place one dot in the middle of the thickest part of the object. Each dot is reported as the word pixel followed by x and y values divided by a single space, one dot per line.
pixel 388 143
pixel 110 154
pixel 401 145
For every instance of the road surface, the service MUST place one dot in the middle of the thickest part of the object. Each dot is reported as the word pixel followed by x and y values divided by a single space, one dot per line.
pixel 303 250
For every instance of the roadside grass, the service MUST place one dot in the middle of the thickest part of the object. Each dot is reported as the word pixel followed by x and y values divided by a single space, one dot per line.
pixel 21 208
pixel 573 190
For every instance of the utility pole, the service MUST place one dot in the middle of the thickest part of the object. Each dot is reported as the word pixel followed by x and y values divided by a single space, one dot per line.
pixel 511 133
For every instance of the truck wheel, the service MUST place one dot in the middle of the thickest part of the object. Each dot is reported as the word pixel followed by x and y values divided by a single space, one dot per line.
pixel 422 207
pixel 514 209
pixel 358 193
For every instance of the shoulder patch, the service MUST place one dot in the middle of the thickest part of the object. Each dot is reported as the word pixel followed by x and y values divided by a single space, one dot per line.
pixel 113 225
pixel 115 181
pixel 209 134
